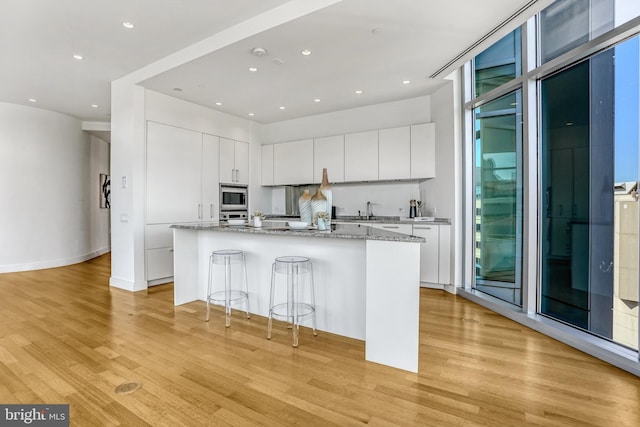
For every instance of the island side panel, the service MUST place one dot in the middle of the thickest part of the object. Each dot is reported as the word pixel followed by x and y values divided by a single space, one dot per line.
pixel 393 304
pixel 186 260
pixel 339 274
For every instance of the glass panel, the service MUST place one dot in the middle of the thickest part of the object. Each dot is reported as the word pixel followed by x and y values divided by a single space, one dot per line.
pixel 498 202
pixel 566 24
pixel 589 177
pixel 498 64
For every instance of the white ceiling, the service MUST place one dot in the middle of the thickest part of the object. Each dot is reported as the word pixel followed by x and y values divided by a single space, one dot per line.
pixel 416 38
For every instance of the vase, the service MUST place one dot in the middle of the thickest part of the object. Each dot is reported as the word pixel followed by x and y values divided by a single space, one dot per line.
pixel 322 224
pixel 304 204
pixel 318 203
pixel 326 190
pixel 257 221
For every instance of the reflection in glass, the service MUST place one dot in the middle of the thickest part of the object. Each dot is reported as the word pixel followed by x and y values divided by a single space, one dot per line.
pixel 498 64
pixel 590 219
pixel 498 203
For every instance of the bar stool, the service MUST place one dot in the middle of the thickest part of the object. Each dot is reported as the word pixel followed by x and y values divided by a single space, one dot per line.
pixel 296 307
pixel 228 296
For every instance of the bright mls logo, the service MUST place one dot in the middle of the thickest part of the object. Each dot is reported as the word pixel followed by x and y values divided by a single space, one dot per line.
pixel 34 415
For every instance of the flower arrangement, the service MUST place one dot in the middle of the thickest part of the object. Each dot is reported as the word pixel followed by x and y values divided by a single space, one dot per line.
pixel 320 215
pixel 257 214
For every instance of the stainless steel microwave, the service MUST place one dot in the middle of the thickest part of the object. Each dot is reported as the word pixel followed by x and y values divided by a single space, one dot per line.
pixel 233 197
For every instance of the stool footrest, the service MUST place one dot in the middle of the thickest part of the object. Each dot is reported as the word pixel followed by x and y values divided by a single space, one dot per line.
pixel 286 311
pixel 234 296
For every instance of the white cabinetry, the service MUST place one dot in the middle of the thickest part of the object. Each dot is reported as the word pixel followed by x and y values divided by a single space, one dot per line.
pixel 181 186
pixel 234 161
pixel 293 162
pixel 328 152
pixel 435 255
pixel 394 153
pixel 423 151
pixel 266 177
pixel 361 156
pixel 396 228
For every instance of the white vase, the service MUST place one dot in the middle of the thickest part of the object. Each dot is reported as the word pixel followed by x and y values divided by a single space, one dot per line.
pixel 322 224
pixel 304 205
pixel 318 206
pixel 257 221
pixel 326 190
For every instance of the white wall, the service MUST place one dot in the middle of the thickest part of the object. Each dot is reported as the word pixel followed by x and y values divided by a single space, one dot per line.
pixel 49 180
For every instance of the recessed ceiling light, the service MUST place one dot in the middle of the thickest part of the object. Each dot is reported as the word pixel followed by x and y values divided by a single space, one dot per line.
pixel 78 57
pixel 358 92
pixel 253 69
pixel 94 105
pixel 177 89
pixel 406 82
pixel 282 108
pixel 128 25
pixel 306 52
pixel 33 100
pixel 251 114
pixel 376 31
pixel 218 103
pixel 316 100
pixel 569 123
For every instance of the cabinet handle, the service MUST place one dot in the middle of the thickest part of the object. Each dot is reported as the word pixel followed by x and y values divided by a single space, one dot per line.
pixel 232 172
pixel 211 210
pixel 237 174
pixel 390 226
pixel 422 228
pixel 170 249
pixel 199 211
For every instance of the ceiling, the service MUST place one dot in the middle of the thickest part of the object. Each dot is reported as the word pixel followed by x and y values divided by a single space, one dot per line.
pixel 367 45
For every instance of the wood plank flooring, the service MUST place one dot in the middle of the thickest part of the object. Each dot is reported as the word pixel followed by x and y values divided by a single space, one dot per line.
pixel 66 337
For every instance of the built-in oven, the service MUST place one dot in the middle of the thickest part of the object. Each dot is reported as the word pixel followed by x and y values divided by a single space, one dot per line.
pixel 227 215
pixel 233 198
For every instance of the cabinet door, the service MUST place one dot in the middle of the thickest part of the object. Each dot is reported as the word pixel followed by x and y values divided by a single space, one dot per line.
pixel 159 263
pixel 394 146
pixel 444 255
pixel 266 177
pixel 423 151
pixel 241 162
pixel 173 174
pixel 226 161
pixel 293 162
pixel 429 251
pixel 210 178
pixel 361 156
pixel 328 153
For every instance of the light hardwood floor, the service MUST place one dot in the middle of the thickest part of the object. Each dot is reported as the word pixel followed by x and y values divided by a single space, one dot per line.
pixel 66 337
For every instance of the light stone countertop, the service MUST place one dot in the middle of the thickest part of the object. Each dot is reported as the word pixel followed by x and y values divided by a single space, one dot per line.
pixel 338 231
pixel 373 220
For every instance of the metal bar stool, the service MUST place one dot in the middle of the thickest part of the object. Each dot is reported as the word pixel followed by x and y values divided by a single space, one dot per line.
pixel 228 296
pixel 296 307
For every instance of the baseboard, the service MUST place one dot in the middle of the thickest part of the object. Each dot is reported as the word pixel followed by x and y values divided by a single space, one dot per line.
pixel 41 265
pixel 431 285
pixel 162 281
pixel 127 285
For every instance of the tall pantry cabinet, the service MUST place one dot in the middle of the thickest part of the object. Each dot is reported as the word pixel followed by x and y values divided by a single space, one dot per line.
pixel 181 186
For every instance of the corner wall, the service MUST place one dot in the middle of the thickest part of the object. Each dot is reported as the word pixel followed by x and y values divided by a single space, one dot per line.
pixel 49 180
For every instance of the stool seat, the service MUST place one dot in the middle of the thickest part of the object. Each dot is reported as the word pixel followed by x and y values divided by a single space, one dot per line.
pixel 228 296
pixel 295 308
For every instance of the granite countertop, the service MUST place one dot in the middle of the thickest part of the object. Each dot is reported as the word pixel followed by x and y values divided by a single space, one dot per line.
pixel 338 231
pixel 374 219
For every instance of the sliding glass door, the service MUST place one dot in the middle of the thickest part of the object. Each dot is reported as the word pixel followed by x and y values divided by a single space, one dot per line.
pixel 498 198
pixel 589 212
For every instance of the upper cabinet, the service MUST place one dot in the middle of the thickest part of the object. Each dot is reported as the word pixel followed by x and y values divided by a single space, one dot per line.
pixel 361 156
pixel 293 162
pixel 328 153
pixel 266 174
pixel 395 153
pixel 234 161
pixel 406 152
pixel 423 151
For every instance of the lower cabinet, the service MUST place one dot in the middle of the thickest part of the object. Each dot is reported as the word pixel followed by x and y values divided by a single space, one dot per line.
pixel 159 252
pixel 435 253
pixel 396 228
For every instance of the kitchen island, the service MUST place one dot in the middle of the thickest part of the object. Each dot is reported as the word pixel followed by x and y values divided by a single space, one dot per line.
pixel 367 281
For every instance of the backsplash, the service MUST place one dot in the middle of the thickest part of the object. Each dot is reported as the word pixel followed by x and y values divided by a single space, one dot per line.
pixel 387 198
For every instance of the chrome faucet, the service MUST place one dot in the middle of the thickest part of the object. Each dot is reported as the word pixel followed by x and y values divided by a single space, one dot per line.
pixel 369 210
